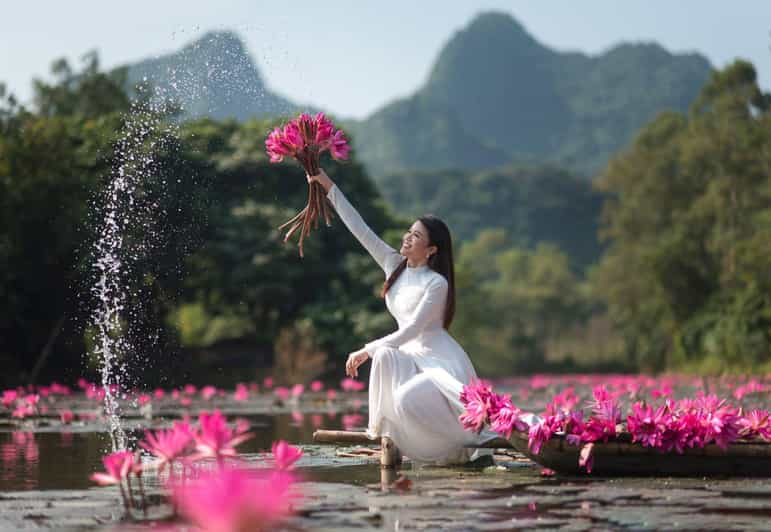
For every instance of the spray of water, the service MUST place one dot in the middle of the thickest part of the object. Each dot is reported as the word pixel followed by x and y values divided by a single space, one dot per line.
pixel 213 76
pixel 113 264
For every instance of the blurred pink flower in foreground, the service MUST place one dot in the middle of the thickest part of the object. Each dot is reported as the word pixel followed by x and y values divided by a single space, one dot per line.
pixel 317 386
pixel 233 500
pixel 297 390
pixel 285 455
pixel 267 382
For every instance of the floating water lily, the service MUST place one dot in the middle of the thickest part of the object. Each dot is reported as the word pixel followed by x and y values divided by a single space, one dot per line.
pixel 285 455
pixel 215 439
pixel 118 466
pixel 168 445
pixel 305 138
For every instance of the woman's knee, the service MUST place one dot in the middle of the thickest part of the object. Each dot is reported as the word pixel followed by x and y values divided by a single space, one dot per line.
pixel 416 394
pixel 383 353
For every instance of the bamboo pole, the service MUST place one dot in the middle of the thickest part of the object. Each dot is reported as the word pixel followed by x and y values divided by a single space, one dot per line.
pixel 345 436
pixel 390 456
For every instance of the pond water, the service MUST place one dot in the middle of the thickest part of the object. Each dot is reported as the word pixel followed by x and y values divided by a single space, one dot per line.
pixel 45 468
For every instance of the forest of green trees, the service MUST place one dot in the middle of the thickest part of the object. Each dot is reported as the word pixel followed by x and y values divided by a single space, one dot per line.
pixel 674 275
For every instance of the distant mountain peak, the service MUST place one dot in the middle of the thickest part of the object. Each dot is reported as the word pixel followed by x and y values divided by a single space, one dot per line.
pixel 498 21
pixel 219 40
pixel 212 75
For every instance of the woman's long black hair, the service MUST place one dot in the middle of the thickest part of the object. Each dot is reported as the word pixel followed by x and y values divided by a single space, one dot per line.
pixel 441 261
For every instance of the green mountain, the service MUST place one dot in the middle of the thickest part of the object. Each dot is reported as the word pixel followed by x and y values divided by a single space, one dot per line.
pixel 212 76
pixel 496 94
pixel 533 204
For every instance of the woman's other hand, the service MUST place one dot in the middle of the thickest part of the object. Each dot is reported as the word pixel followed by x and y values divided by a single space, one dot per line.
pixel 321 178
pixel 355 359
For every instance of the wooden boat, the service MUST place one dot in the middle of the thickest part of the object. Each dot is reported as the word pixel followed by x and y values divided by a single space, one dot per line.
pixel 622 457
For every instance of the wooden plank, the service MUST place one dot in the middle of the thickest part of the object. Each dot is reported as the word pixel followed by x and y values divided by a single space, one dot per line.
pixel 346 436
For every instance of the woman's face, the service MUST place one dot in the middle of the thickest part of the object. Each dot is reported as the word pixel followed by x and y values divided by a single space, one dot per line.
pixel 415 244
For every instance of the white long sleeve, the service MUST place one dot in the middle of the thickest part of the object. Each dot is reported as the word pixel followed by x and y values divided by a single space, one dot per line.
pixel 428 315
pixel 386 256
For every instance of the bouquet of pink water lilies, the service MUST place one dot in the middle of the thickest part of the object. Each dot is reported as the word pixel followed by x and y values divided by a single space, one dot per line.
pixel 305 138
pixel 671 426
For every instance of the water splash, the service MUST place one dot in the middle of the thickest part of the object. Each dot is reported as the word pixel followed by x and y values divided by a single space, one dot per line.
pixel 212 76
pixel 115 257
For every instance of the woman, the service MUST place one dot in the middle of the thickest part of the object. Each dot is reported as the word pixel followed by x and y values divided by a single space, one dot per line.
pixel 418 371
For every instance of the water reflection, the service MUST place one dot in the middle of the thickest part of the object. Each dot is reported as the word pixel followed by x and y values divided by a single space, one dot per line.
pixel 64 460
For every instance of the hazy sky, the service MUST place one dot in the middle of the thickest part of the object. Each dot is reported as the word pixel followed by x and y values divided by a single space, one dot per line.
pixel 352 56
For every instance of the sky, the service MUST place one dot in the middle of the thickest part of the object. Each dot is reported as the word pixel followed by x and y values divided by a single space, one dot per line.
pixel 350 57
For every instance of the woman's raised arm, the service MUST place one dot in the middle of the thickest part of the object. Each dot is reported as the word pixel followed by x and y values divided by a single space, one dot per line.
pixel 386 256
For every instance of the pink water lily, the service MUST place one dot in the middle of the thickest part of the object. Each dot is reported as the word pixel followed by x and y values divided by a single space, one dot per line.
pixel 351 385
pixel 504 416
pixel 66 416
pixel 757 423
pixel 207 392
pixel 144 399
pixel 285 455
pixel 168 444
pixel 241 393
pixel 282 392
pixel 215 439
pixel 9 397
pixel 646 425
pixel 117 466
pixel 476 397
pixel 235 500
pixel 22 411
pixel 541 432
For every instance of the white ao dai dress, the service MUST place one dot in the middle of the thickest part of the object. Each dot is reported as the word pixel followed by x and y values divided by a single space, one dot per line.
pixel 418 371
